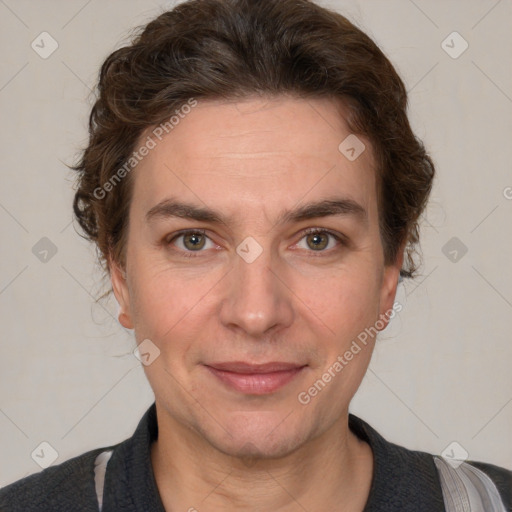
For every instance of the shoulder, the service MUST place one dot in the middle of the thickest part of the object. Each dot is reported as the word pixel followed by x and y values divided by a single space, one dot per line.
pixel 480 485
pixel 501 477
pixel 403 476
pixel 56 488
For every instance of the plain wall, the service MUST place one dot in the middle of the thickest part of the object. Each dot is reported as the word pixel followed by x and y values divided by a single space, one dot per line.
pixel 440 372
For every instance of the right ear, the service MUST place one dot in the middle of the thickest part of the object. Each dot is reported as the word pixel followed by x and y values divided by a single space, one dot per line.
pixel 121 292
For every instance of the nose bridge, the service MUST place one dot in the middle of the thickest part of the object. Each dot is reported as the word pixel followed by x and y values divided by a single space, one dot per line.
pixel 256 300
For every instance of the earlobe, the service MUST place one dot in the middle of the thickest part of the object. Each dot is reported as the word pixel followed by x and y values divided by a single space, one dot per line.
pixel 121 292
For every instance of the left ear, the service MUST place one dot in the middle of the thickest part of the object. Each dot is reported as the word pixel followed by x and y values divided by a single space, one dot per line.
pixel 389 285
pixel 121 292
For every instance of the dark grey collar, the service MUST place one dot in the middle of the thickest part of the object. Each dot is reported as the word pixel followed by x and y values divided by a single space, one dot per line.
pixel 403 480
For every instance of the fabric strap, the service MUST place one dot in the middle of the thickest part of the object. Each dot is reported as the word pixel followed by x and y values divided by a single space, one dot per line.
pixel 100 468
pixel 466 488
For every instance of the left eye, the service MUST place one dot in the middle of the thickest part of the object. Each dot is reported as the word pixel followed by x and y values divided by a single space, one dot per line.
pixel 193 241
pixel 319 240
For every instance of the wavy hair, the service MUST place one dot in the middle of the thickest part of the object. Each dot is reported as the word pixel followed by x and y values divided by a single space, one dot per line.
pixel 229 49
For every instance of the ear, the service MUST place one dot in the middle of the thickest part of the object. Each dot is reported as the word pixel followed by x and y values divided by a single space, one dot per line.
pixel 389 285
pixel 120 287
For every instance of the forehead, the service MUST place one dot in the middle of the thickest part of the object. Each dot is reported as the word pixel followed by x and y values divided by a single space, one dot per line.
pixel 258 153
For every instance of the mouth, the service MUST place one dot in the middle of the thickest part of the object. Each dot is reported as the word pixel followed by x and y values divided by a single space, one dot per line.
pixel 255 379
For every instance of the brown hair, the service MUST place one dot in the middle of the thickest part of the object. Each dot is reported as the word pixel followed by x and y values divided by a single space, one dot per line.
pixel 229 49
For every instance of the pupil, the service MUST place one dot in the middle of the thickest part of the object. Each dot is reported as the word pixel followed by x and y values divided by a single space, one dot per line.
pixel 194 241
pixel 318 241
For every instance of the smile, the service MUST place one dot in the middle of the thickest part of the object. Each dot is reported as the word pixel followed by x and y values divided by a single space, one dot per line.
pixel 255 379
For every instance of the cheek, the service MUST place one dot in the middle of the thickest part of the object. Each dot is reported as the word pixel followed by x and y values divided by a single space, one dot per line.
pixel 345 301
pixel 162 300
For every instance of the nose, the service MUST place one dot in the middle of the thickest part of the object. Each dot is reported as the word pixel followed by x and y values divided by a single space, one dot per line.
pixel 256 299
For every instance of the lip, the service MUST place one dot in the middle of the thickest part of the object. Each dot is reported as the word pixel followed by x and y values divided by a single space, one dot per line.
pixel 255 379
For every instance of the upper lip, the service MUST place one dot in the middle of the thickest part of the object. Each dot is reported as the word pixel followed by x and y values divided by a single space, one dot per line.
pixel 242 367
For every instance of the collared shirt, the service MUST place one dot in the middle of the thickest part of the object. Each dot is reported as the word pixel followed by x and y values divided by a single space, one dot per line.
pixel 403 479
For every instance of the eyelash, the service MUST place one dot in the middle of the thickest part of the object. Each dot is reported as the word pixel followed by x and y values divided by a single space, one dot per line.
pixel 187 254
pixel 338 237
pixel 308 231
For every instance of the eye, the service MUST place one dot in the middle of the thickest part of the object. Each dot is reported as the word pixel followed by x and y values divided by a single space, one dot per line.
pixel 320 240
pixel 191 241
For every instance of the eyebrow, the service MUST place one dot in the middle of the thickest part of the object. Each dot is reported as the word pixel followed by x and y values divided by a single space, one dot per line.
pixel 343 207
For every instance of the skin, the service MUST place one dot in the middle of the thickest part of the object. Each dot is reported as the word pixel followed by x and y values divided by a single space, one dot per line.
pixel 218 448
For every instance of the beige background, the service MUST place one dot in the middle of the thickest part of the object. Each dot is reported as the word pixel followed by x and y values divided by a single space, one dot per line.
pixel 440 373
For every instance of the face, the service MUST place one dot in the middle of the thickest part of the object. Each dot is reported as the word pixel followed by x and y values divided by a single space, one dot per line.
pixel 253 262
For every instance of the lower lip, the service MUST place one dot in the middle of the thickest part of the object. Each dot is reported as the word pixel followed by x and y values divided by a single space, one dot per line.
pixel 256 383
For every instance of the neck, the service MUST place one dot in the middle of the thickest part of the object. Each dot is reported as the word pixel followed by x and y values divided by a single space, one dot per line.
pixel 333 471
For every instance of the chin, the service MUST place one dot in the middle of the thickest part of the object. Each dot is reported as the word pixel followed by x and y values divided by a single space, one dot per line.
pixel 263 435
